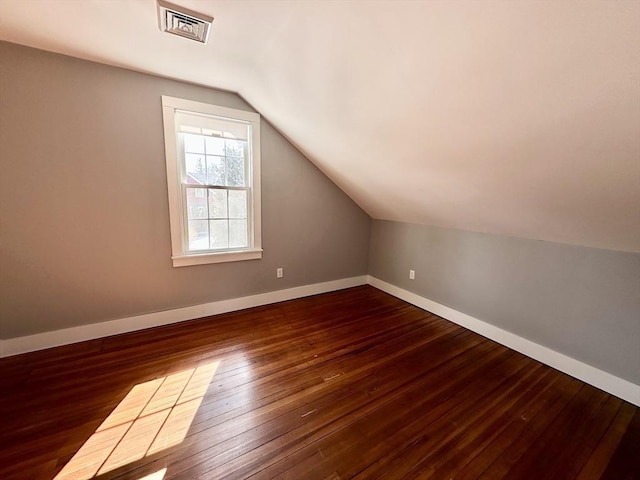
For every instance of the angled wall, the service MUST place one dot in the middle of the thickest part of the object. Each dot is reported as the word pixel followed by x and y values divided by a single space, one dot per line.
pixel 84 221
pixel 578 301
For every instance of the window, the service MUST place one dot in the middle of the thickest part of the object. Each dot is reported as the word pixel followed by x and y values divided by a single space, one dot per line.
pixel 213 176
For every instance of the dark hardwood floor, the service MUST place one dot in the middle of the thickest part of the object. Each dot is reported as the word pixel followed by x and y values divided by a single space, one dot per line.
pixel 350 384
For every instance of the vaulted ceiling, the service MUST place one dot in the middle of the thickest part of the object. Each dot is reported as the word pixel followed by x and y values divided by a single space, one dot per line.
pixel 513 118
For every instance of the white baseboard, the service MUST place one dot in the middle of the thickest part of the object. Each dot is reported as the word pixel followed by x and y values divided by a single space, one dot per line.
pixel 40 341
pixel 604 381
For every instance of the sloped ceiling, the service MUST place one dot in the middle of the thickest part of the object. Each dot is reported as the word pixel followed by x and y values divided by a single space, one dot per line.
pixel 514 118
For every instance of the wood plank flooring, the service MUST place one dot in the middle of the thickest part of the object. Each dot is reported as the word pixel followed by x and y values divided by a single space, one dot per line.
pixel 354 384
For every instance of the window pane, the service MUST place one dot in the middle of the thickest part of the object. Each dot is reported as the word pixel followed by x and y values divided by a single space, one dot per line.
pixel 193 143
pixel 237 204
pixel 198 235
pixel 196 203
pixel 195 169
pixel 217 126
pixel 219 235
pixel 217 203
pixel 235 163
pixel 215 146
pixel 215 170
pixel 236 130
pixel 237 233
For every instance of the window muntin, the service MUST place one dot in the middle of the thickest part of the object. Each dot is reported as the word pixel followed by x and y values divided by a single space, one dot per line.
pixel 213 163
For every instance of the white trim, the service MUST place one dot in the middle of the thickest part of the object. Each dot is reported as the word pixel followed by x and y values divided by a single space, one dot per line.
pixel 600 379
pixel 605 381
pixel 210 109
pixel 40 341
pixel 219 257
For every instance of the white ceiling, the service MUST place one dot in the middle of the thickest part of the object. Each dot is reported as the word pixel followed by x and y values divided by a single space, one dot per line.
pixel 514 118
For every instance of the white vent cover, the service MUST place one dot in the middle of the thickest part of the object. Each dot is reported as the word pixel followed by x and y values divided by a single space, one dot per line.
pixel 183 22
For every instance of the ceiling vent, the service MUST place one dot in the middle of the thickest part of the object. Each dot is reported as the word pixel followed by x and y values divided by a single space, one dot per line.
pixel 184 22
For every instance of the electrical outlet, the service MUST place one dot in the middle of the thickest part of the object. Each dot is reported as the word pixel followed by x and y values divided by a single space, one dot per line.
pixel 412 274
pixel 279 272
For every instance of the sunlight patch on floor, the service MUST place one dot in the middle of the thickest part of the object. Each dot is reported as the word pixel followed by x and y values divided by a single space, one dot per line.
pixel 159 475
pixel 154 415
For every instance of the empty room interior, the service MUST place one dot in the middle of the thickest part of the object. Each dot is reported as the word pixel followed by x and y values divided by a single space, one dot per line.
pixel 320 240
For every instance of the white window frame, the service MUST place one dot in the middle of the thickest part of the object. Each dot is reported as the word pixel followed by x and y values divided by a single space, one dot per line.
pixel 181 257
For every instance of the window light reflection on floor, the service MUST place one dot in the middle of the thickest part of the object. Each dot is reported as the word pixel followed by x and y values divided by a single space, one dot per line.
pixel 159 475
pixel 154 416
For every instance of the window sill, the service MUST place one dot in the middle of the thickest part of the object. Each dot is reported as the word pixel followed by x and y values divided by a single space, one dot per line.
pixel 206 258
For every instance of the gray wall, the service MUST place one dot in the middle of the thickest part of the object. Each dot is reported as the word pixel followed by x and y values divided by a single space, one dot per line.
pixel 84 229
pixel 84 221
pixel 582 302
